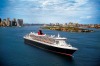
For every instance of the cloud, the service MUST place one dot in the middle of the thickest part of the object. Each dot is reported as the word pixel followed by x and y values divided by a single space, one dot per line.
pixel 86 17
pixel 51 4
pixel 51 10
pixel 62 4
pixel 55 9
pixel 78 5
pixel 57 6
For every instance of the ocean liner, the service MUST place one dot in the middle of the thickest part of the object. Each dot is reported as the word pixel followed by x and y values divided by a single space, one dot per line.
pixel 51 43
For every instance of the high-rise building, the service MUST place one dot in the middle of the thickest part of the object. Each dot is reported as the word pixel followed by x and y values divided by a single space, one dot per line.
pixel 20 22
pixel 0 22
pixel 4 22
pixel 14 22
pixel 8 22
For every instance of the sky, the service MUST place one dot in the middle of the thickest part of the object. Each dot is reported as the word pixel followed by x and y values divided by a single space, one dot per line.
pixel 52 11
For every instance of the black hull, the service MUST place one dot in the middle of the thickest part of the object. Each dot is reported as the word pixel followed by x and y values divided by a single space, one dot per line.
pixel 63 51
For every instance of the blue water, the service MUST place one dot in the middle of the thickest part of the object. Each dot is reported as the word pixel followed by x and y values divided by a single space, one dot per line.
pixel 13 51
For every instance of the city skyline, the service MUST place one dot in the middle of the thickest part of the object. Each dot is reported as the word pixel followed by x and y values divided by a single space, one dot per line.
pixel 52 11
pixel 10 23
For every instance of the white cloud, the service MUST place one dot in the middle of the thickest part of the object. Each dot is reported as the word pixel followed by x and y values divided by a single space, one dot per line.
pixel 78 5
pixel 53 4
pixel 86 17
pixel 81 1
pixel 70 10
pixel 54 7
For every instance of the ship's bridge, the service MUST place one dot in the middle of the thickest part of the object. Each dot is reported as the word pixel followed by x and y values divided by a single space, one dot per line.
pixel 60 40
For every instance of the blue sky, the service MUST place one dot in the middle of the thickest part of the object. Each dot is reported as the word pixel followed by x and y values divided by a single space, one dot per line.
pixel 52 11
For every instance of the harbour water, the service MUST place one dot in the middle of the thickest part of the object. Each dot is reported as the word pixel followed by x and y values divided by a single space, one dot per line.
pixel 13 51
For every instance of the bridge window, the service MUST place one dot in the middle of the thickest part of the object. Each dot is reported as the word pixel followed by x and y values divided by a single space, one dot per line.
pixel 57 42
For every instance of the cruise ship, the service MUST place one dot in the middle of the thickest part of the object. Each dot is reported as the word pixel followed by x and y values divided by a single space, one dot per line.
pixel 56 44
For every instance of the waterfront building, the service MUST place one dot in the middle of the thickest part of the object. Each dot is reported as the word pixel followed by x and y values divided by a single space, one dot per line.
pixel 19 22
pixel 0 22
pixel 70 24
pixel 51 24
pixel 75 24
pixel 45 25
pixel 57 24
pixel 65 23
pixel 8 22
pixel 14 22
pixel 4 22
